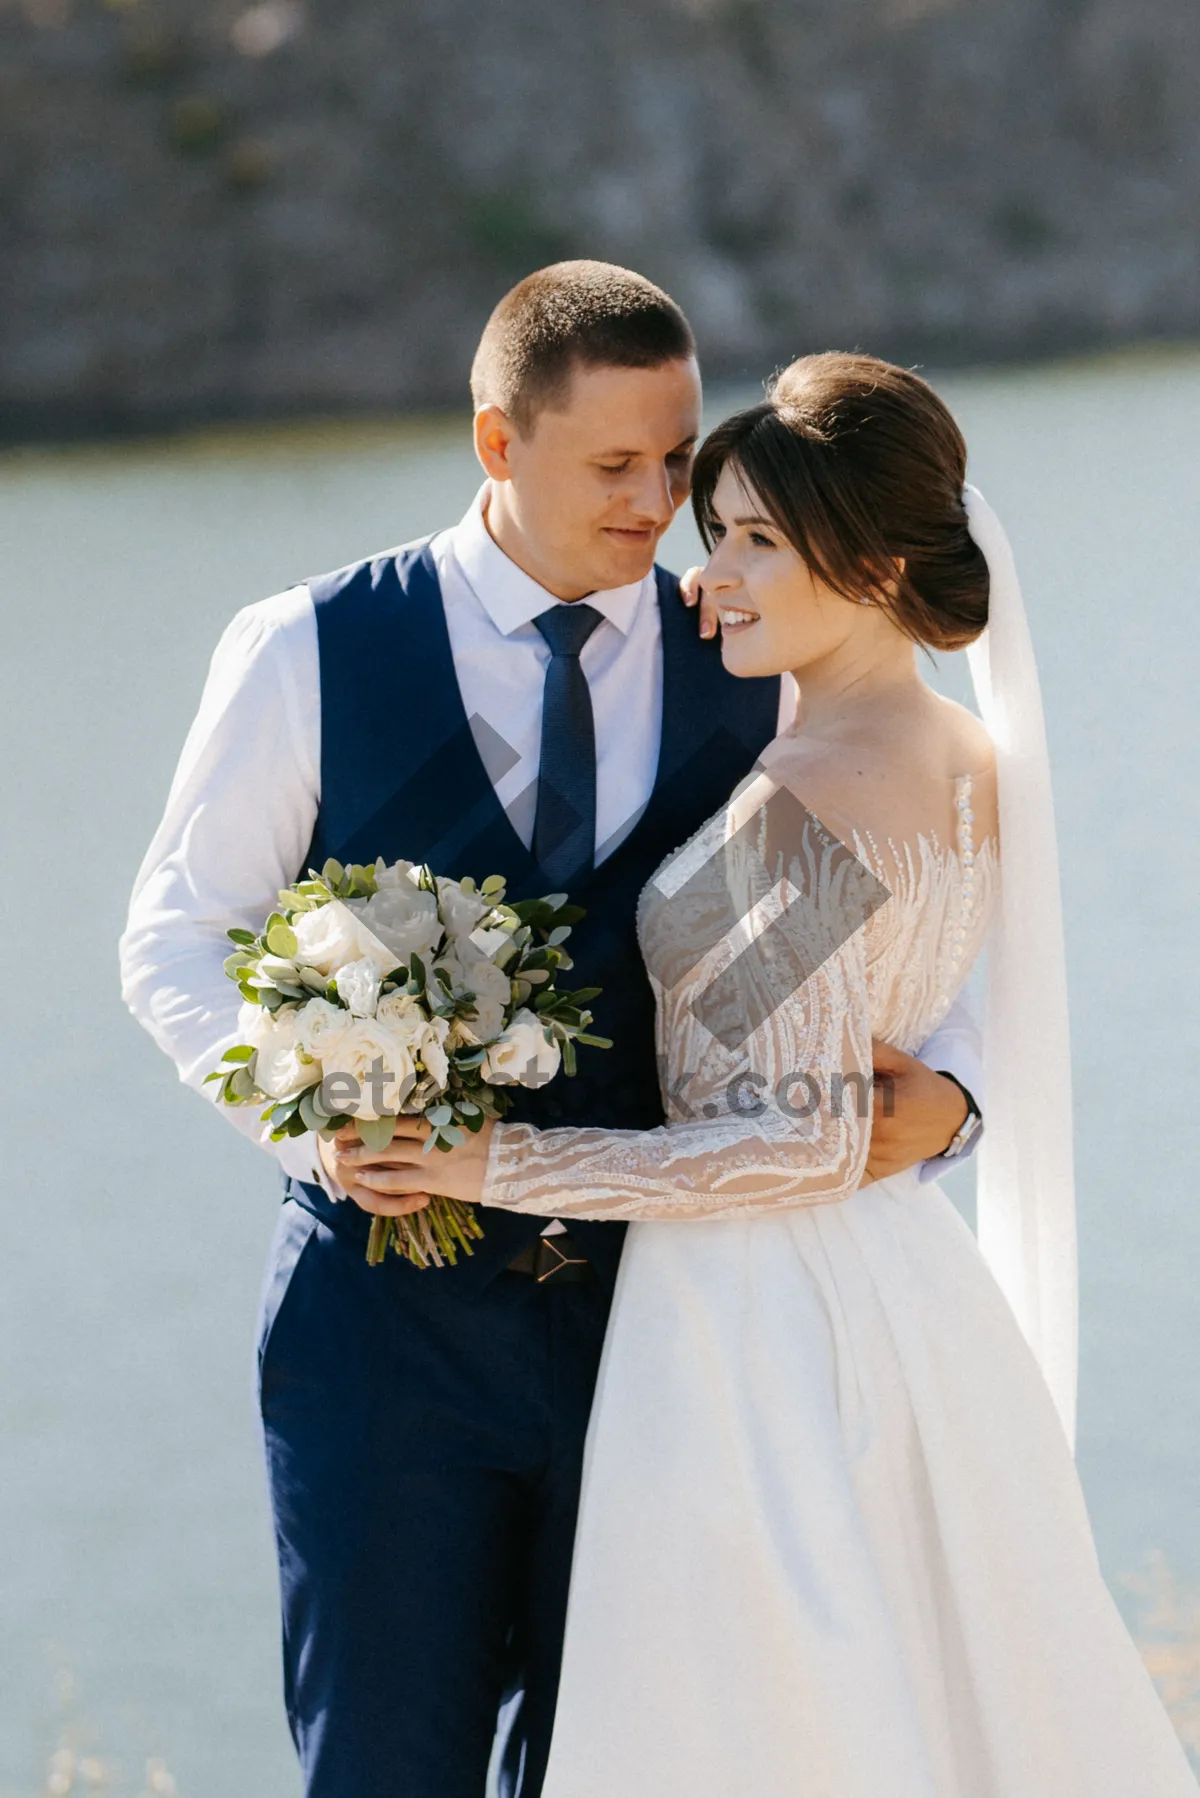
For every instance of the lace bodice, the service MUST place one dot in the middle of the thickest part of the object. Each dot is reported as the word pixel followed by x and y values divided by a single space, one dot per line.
pixel 778 941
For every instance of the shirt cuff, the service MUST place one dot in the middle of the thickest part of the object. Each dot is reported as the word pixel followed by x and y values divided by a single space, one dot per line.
pixel 299 1158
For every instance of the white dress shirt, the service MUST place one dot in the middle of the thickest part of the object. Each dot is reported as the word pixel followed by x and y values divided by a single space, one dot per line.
pixel 243 802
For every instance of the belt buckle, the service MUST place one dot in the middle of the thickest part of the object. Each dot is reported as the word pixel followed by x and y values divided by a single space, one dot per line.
pixel 555 1260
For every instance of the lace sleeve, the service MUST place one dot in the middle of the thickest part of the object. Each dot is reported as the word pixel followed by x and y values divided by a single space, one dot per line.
pixel 776 1120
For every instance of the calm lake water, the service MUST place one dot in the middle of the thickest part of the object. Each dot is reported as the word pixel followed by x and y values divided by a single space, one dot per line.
pixel 136 1561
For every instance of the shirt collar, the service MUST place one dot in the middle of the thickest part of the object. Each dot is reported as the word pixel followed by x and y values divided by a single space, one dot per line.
pixel 512 598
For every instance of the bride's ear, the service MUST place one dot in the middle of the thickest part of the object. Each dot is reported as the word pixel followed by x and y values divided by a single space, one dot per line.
pixel 900 564
pixel 890 588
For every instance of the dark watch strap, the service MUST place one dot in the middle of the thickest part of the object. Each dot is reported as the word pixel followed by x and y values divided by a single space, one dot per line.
pixel 970 1124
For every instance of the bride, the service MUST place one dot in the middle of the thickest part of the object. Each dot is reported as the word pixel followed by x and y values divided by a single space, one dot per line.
pixel 832 1541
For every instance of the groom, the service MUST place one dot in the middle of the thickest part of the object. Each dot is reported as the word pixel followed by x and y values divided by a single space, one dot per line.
pixel 451 702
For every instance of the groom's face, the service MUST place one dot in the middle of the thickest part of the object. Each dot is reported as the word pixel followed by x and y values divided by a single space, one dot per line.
pixel 597 480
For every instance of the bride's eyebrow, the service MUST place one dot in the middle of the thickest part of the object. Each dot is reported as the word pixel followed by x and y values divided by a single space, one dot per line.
pixel 767 522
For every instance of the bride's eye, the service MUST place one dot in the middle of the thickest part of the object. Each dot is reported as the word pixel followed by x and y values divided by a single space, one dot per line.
pixel 613 468
pixel 716 532
pixel 761 542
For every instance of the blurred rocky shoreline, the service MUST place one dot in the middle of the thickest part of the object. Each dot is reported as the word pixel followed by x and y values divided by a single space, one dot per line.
pixel 211 210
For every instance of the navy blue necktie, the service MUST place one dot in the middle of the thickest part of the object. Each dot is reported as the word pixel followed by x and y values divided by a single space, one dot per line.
pixel 564 830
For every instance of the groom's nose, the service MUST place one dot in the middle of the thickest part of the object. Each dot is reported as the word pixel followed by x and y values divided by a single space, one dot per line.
pixel 653 499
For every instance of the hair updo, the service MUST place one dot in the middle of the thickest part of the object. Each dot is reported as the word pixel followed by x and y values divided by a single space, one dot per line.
pixel 860 464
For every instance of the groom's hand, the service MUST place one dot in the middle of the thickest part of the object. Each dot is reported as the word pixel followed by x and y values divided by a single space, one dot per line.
pixel 351 1166
pixel 693 594
pixel 919 1119
pixel 402 1177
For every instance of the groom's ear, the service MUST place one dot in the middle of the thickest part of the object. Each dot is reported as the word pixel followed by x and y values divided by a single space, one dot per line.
pixel 494 433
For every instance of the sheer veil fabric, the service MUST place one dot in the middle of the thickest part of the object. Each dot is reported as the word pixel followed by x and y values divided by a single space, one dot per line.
pixel 1026 1190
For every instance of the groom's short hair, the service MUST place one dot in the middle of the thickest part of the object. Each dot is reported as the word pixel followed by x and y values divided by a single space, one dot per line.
pixel 568 316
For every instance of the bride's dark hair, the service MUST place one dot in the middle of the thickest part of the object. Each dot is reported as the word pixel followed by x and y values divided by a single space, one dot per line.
pixel 860 464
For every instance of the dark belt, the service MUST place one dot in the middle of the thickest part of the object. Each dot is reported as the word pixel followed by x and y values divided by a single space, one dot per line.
pixel 553 1261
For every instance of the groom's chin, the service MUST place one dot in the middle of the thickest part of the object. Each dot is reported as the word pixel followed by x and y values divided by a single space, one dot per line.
pixel 627 556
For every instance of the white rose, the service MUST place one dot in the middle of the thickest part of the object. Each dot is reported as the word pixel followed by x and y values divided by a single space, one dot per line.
pixel 403 1014
pixel 403 919
pixel 278 1068
pixel 331 935
pixel 322 1028
pixel 462 911
pixel 432 1050
pixel 367 1043
pixel 254 1022
pixel 358 986
pixel 399 873
pixel 492 989
pixel 491 941
pixel 522 1056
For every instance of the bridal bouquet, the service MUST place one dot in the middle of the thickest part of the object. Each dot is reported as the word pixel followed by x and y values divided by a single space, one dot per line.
pixel 375 991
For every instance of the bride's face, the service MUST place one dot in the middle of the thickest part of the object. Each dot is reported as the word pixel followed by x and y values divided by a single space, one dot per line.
pixel 776 615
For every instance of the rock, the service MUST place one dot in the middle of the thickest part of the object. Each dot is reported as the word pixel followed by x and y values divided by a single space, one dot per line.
pixel 210 210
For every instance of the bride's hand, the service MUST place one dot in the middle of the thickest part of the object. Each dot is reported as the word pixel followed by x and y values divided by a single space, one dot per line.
pixel 402 1177
pixel 693 593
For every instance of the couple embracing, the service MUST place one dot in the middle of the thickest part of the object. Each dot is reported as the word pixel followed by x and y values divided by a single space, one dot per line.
pixel 729 1463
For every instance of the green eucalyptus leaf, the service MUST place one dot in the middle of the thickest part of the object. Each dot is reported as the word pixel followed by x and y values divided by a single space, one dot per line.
pixel 310 1111
pixel 375 1133
pixel 246 937
pixel 281 941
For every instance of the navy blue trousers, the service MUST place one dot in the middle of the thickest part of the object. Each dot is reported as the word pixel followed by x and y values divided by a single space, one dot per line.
pixel 424 1449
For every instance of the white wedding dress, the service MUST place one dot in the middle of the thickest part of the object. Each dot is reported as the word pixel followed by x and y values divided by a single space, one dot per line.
pixel 832 1543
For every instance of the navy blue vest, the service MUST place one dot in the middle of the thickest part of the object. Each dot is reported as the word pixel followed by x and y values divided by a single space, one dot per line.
pixel 401 776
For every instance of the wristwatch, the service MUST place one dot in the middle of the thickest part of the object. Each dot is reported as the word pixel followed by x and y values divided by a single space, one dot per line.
pixel 971 1125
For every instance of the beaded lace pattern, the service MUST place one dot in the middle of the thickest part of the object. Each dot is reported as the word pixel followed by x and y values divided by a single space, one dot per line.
pixel 781 1119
